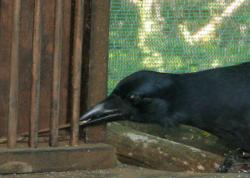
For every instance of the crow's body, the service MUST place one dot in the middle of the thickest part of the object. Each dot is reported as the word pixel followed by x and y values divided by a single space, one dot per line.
pixel 216 100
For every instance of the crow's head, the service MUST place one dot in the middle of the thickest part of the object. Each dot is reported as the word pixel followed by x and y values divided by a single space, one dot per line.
pixel 144 96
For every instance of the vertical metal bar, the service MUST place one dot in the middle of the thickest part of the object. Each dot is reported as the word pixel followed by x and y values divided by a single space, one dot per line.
pixel 57 69
pixel 77 69
pixel 36 72
pixel 13 97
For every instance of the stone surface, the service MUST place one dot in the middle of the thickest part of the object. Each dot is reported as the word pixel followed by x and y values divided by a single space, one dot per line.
pixel 125 172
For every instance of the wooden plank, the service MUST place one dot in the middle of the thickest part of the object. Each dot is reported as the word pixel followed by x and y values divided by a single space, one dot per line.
pixel 47 48
pixel 36 76
pixel 6 22
pixel 57 159
pixel 14 78
pixel 57 69
pixel 98 61
pixel 77 69
pixel 47 55
pixel 25 64
pixel 67 55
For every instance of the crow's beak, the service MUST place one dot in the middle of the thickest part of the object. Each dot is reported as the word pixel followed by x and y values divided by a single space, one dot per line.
pixel 101 113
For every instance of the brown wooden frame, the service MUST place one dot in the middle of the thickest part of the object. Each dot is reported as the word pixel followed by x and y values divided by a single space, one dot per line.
pixel 53 65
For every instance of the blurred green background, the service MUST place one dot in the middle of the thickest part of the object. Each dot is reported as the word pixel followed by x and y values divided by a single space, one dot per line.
pixel 176 35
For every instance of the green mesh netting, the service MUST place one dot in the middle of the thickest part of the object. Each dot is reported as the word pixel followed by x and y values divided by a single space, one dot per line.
pixel 176 35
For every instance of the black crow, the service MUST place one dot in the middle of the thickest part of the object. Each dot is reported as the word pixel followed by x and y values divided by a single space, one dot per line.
pixel 215 100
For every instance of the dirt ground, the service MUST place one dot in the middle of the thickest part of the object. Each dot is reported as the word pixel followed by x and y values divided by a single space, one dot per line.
pixel 124 171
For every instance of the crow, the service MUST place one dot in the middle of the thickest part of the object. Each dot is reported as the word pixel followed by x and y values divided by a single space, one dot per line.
pixel 214 100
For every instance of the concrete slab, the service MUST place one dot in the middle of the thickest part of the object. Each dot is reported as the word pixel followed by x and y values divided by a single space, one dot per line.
pixel 126 172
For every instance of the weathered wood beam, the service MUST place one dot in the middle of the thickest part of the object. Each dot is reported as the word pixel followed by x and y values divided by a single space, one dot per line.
pixel 57 159
pixel 154 152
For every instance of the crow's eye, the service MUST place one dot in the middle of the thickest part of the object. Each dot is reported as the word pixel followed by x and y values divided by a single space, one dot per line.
pixel 135 99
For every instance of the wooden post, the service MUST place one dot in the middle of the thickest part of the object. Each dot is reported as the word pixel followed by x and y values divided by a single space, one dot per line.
pixel 98 63
pixel 13 96
pixel 36 76
pixel 57 69
pixel 77 70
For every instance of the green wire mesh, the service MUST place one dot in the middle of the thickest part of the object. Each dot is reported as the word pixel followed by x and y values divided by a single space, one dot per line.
pixel 176 36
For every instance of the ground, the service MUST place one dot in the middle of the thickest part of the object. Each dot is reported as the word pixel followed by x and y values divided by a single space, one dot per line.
pixel 123 171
